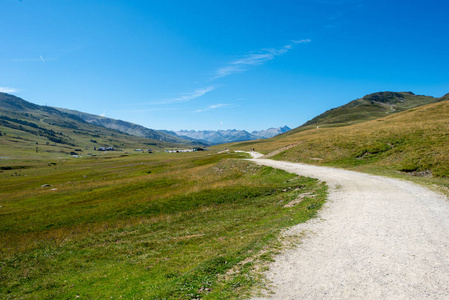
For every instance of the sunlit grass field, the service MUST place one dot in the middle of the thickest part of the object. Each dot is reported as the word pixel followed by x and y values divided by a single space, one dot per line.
pixel 151 226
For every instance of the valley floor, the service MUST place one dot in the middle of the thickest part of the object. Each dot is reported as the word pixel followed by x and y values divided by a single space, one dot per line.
pixel 375 238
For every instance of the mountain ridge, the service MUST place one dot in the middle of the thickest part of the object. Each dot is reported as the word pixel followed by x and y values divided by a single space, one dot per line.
pixel 216 137
pixel 27 128
pixel 128 127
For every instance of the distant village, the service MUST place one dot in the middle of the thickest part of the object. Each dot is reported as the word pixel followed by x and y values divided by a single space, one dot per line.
pixel 151 151
pixel 103 149
pixel 186 150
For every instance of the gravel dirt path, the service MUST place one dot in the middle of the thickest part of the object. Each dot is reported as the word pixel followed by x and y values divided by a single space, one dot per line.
pixel 375 238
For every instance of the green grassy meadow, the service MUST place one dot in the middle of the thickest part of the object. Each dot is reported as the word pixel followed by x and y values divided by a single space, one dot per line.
pixel 150 226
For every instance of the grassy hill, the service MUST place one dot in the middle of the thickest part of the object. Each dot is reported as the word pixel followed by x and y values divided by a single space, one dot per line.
pixel 414 141
pixel 45 131
pixel 369 107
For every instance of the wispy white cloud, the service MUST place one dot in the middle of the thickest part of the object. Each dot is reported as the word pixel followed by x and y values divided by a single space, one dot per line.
pixel 190 96
pixel 255 58
pixel 8 90
pixel 28 59
pixel 228 70
pixel 211 107
pixel 302 41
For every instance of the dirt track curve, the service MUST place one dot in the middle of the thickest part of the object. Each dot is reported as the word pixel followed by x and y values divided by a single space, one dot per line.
pixel 375 238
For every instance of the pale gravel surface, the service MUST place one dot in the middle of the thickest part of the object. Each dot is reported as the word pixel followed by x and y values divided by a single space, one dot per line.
pixel 375 238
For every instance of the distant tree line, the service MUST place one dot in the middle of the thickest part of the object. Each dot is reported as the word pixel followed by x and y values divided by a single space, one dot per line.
pixel 48 133
pixel 64 124
pixel 19 121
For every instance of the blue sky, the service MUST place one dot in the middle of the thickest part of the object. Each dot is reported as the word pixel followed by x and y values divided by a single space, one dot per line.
pixel 220 64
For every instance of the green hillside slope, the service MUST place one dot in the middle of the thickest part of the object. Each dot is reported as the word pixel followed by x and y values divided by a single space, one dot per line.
pixel 29 128
pixel 444 98
pixel 370 107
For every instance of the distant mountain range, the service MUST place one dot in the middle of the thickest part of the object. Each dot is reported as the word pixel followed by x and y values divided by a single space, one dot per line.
pixel 206 137
pixel 271 132
pixel 215 137
pixel 59 128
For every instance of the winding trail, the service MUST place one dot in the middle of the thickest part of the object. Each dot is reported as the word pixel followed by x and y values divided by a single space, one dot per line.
pixel 375 238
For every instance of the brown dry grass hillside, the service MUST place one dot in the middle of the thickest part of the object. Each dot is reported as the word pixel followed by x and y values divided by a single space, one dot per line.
pixel 414 141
